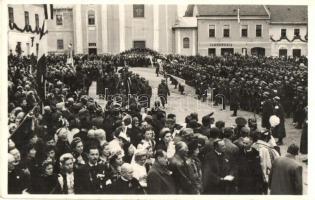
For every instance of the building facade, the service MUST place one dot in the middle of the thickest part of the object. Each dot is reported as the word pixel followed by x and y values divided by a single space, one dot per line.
pixel 288 30
pixel 61 33
pixel 111 29
pixel 245 29
pixel 204 30
pixel 23 28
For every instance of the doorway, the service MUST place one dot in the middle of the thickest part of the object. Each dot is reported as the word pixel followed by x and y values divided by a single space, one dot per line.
pixel 92 51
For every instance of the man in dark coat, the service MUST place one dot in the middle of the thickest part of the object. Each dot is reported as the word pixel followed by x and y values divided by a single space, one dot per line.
pixel 250 178
pixel 95 178
pixel 286 174
pixel 234 100
pixel 267 111
pixel 163 92
pixel 160 179
pixel 127 184
pixel 18 180
pixel 217 176
pixel 181 171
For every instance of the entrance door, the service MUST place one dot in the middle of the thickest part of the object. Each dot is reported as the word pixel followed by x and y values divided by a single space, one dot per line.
pixel 283 52
pixel 92 51
pixel 244 51
pixel 227 51
pixel 211 52
pixel 258 51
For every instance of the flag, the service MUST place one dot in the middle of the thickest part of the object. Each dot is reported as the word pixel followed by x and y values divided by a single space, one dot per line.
pixel 40 77
pixel 49 9
pixel 238 16
pixel 23 133
pixel 42 51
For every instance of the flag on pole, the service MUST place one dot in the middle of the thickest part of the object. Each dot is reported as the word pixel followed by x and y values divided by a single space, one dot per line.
pixel 49 9
pixel 42 51
pixel 238 16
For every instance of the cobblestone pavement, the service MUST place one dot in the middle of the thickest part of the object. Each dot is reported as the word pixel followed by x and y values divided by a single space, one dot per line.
pixel 183 105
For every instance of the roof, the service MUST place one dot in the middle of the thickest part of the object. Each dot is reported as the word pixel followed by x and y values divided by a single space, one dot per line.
pixel 288 14
pixel 227 10
pixel 63 6
pixel 186 22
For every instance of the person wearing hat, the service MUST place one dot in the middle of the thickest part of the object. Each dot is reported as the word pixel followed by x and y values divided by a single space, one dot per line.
pixel 234 99
pixel 286 174
pixel 165 140
pixel 163 92
pixel 267 110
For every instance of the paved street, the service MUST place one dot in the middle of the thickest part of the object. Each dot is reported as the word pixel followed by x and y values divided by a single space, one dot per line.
pixel 183 105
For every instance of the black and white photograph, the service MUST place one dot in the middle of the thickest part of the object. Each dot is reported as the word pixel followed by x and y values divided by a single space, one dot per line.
pixel 155 99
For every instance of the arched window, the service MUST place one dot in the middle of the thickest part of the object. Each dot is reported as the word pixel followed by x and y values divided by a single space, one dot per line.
pixel 91 17
pixel 186 43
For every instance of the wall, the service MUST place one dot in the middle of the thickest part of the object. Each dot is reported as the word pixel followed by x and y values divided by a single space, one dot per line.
pixel 180 34
pixel 64 31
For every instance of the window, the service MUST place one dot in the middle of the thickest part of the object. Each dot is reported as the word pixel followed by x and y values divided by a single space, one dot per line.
pixel 283 32
pixel 186 43
pixel 27 18
pixel 226 31
pixel 11 15
pixel 138 10
pixel 283 52
pixel 296 52
pixel 258 30
pixel 296 32
pixel 59 20
pixel 211 30
pixel 211 51
pixel 139 44
pixel 92 44
pixel 91 17
pixel 244 30
pixel 59 44
pixel 36 20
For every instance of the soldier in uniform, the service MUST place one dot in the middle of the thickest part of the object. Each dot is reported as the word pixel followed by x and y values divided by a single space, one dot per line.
pixel 163 92
pixel 157 69
pixel 267 111
pixel 234 100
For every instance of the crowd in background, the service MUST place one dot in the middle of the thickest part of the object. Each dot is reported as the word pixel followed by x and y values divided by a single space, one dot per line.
pixel 67 143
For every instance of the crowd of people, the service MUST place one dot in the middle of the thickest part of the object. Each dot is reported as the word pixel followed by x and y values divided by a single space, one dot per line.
pixel 67 143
